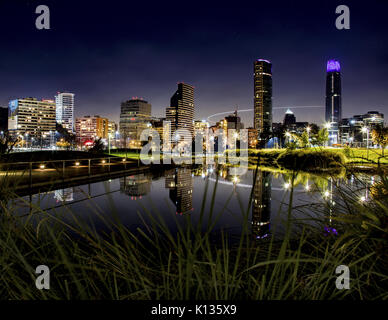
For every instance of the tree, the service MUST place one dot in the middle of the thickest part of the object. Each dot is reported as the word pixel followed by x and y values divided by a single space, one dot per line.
pixel 321 137
pixel 98 146
pixel 304 140
pixel 67 136
pixel 7 142
pixel 380 137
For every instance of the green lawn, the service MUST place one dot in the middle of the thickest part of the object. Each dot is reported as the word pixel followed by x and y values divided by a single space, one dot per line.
pixel 129 154
pixel 355 155
pixel 352 155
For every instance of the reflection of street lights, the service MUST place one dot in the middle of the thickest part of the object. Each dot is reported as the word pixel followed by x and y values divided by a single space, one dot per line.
pixel 109 134
pixel 366 130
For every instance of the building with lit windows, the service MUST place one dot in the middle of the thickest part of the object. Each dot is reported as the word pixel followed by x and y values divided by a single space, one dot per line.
pixel 90 128
pixel 65 110
pixel 351 129
pixel 263 100
pixel 32 119
pixel 135 116
pixel 181 111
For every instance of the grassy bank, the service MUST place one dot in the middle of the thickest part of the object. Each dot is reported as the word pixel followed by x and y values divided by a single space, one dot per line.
pixel 153 263
pixel 317 159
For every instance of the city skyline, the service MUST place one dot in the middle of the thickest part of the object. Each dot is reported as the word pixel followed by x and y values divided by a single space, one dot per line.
pixel 112 61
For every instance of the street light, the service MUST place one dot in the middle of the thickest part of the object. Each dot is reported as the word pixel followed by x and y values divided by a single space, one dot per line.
pixel 366 130
pixel 308 129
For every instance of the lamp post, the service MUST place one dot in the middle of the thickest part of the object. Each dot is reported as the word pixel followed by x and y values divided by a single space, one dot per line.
pixel 109 134
pixel 366 130
pixel 308 129
pixel 328 126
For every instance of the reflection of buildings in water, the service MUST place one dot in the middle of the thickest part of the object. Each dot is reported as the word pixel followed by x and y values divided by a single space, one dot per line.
pixel 180 183
pixel 135 186
pixel 64 195
pixel 261 206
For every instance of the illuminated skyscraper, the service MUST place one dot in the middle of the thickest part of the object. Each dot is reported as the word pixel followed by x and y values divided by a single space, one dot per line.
pixel 65 110
pixel 263 100
pixel 333 100
pixel 181 110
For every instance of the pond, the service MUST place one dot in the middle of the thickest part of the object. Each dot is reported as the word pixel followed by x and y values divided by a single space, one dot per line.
pixel 176 195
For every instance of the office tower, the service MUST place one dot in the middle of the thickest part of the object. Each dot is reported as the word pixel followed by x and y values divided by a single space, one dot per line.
pixel 351 129
pixel 181 110
pixel 261 206
pixel 32 119
pixel 289 118
pixel 3 119
pixel 90 128
pixel 135 117
pixel 263 100
pixel 333 100
pixel 65 110
pixel 291 125
pixel 112 128
pixel 180 183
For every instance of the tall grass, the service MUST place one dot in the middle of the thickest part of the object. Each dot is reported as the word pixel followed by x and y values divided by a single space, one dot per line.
pixel 155 263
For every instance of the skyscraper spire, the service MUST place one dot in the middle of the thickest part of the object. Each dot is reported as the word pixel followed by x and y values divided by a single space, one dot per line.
pixel 333 100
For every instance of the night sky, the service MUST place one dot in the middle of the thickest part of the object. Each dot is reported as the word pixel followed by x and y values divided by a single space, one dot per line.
pixel 110 51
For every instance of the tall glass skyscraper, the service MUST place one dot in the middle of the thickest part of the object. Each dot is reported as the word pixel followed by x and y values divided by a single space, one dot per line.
pixel 333 100
pixel 65 110
pixel 181 110
pixel 263 100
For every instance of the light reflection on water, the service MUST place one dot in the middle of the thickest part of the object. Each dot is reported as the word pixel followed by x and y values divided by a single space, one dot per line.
pixel 180 192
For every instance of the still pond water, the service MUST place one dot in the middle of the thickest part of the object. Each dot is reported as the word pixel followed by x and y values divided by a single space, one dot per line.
pixel 177 195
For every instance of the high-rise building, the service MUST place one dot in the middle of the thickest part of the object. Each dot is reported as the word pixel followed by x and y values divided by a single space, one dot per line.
pixel 90 128
pixel 289 118
pixel 333 100
pixel 263 100
pixel 32 119
pixel 3 119
pixel 65 110
pixel 112 128
pixel 135 117
pixel 181 110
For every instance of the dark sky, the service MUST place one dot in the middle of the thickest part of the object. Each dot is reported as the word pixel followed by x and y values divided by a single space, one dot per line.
pixel 108 51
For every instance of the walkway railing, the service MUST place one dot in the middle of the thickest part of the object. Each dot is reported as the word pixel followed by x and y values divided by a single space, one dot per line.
pixel 31 172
